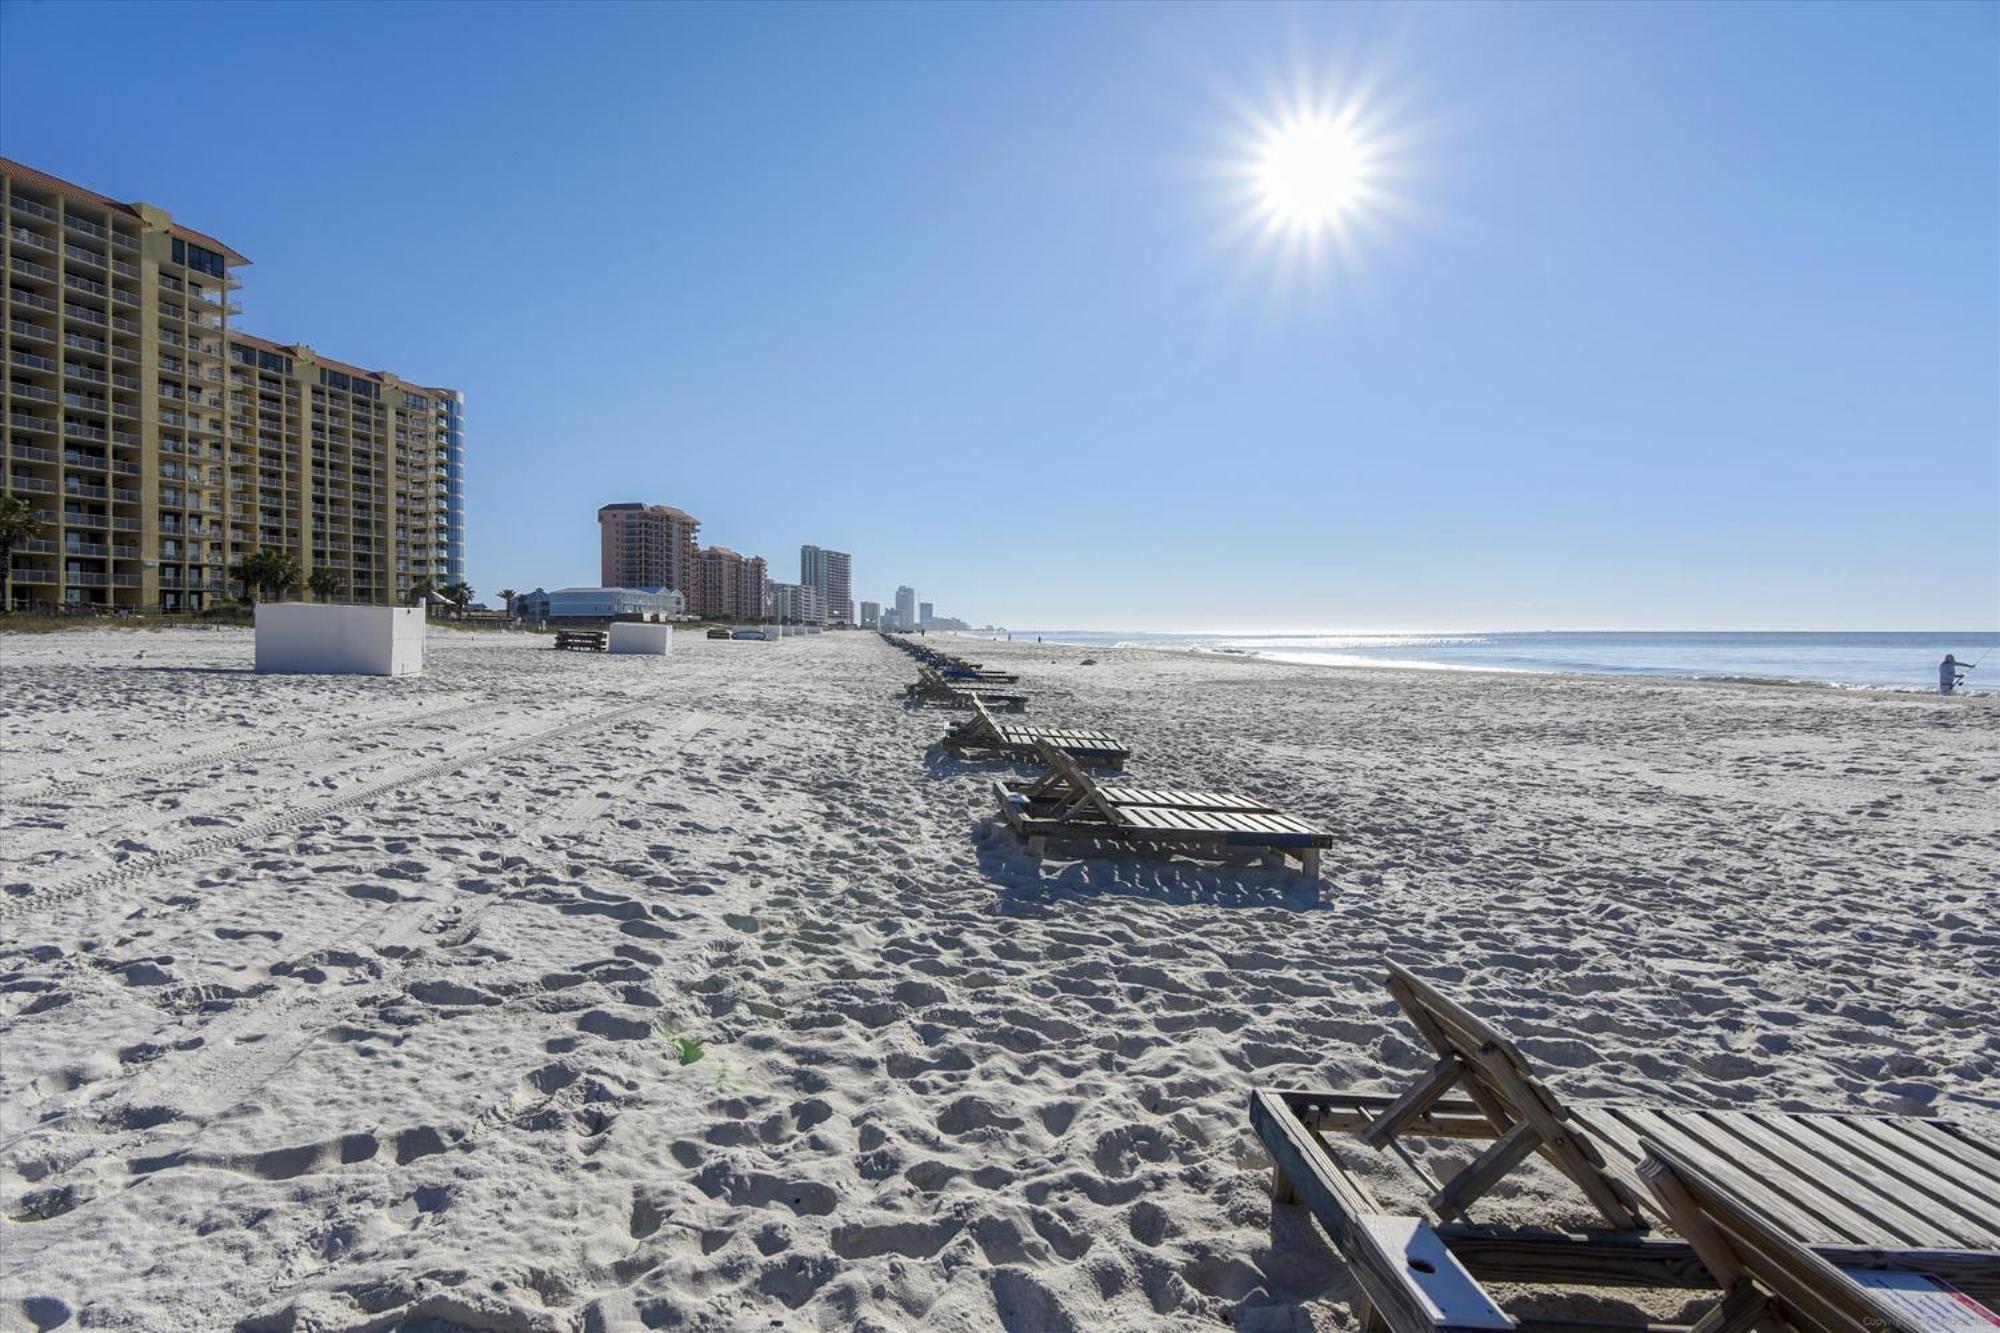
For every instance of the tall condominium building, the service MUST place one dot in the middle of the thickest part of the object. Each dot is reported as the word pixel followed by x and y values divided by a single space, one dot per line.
pixel 795 603
pixel 906 608
pixel 871 615
pixel 925 614
pixel 732 585
pixel 159 444
pixel 831 575
pixel 650 546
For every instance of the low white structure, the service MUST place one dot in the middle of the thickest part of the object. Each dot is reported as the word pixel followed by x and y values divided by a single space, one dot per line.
pixel 602 604
pixel 315 639
pixel 630 637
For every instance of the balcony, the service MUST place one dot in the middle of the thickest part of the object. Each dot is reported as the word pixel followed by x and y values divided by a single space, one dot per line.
pixel 33 362
pixel 22 421
pixel 86 226
pixel 73 459
pixel 21 236
pixel 21 481
pixel 78 519
pixel 33 300
pixel 83 284
pixel 92 257
pixel 33 391
pixel 82 491
pixel 31 269
pixel 83 430
pixel 33 332
pixel 33 209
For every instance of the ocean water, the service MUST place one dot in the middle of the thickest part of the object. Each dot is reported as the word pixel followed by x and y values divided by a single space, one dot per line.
pixel 1895 661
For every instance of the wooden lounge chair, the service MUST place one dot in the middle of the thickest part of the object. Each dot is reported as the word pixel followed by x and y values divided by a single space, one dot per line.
pixel 1858 1190
pixel 583 640
pixel 1073 806
pixel 931 688
pixel 987 734
pixel 1769 1280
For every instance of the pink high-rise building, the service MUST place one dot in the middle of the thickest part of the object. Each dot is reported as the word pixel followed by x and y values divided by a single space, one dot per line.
pixel 650 546
pixel 731 584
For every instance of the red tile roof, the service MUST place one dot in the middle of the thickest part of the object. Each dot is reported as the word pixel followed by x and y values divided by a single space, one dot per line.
pixel 71 190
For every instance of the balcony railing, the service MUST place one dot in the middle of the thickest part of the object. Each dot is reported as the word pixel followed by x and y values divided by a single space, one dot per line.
pixel 33 391
pixel 86 226
pixel 32 269
pixel 22 329
pixel 33 209
pixel 21 481
pixel 33 240
pixel 33 300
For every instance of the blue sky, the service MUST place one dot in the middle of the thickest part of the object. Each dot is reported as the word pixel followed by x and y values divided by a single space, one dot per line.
pixel 1682 316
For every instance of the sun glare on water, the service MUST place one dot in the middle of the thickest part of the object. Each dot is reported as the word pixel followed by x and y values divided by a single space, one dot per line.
pixel 1312 171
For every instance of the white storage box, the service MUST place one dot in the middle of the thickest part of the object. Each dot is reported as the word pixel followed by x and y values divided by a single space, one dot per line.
pixel 631 637
pixel 315 639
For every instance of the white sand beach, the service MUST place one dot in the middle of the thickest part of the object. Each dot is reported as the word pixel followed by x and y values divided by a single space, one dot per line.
pixel 353 1003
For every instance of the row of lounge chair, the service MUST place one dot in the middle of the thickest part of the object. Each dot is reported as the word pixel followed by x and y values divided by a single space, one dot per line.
pixel 1066 804
pixel 1806 1221
pixel 1803 1220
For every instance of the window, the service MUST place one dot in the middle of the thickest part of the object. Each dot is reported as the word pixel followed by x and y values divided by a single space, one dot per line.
pixel 199 258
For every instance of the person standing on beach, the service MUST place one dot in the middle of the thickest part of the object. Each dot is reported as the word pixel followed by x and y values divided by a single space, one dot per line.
pixel 1950 674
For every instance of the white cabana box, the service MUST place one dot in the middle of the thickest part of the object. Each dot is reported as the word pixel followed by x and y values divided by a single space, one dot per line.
pixel 630 637
pixel 315 639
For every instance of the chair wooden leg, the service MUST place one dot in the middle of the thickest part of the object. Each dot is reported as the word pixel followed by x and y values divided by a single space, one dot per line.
pixel 1282 1189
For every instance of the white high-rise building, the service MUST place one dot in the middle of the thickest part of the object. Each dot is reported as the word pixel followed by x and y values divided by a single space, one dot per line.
pixel 831 575
pixel 871 615
pixel 906 608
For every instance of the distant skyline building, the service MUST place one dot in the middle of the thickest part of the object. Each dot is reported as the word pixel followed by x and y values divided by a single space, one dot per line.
pixel 906 607
pixel 795 603
pixel 871 615
pixel 830 574
pixel 924 610
pixel 650 546
pixel 732 585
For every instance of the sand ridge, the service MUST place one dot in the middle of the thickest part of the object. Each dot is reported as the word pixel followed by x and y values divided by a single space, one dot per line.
pixel 336 1003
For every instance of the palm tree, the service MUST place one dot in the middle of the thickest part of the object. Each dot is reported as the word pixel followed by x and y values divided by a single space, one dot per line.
pixel 269 573
pixel 421 587
pixel 458 592
pixel 327 584
pixel 18 524
pixel 507 596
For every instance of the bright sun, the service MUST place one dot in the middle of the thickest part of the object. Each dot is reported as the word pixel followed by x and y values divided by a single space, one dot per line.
pixel 1312 172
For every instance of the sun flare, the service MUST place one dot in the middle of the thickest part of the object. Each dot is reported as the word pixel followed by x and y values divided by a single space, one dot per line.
pixel 1312 172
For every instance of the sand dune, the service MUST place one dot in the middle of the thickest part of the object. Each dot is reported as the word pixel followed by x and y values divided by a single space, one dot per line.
pixel 557 992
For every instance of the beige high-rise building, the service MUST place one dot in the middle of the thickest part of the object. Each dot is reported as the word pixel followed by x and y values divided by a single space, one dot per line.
pixel 732 585
pixel 650 546
pixel 159 444
pixel 831 575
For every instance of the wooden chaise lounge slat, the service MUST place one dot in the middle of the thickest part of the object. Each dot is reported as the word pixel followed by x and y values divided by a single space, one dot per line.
pixel 1066 803
pixel 1860 1189
pixel 1768 1279
pixel 984 732
pixel 930 687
